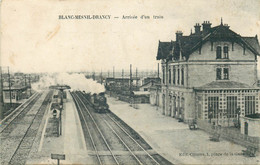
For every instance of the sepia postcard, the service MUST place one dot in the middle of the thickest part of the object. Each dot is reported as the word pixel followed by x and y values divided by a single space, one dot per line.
pixel 129 82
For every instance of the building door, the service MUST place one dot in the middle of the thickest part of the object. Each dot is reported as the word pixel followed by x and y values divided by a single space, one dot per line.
pixel 170 106
pixel 178 107
pixel 182 108
pixel 246 128
pixel 173 106
pixel 163 103
pixel 231 106
pixel 213 107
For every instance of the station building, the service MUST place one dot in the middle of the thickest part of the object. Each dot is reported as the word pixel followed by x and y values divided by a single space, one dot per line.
pixel 211 73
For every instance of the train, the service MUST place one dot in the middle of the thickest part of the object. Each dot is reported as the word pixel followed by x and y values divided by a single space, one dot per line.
pixel 98 102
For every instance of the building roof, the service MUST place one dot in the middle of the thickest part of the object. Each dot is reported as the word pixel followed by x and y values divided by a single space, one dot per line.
pixel 141 93
pixel 15 88
pixel 254 116
pixel 219 85
pixel 188 44
pixel 164 49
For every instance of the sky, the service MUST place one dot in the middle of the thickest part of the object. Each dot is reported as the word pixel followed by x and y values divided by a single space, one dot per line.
pixel 33 39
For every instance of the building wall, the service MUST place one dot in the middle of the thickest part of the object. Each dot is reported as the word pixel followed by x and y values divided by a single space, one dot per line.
pixel 202 108
pixel 199 70
pixel 201 74
pixel 253 126
pixel 202 67
pixel 208 54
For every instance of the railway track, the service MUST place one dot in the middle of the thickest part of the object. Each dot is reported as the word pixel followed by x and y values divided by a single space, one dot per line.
pixel 21 140
pixel 107 123
pixel 18 112
pixel 80 105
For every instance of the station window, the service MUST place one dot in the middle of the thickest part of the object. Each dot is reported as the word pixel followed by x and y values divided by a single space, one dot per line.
pixel 225 52
pixel 174 74
pixel 170 76
pixel 218 52
pixel 249 105
pixel 218 73
pixel 222 73
pixel 213 107
pixel 225 71
pixel 182 76
pixel 163 70
pixel 178 80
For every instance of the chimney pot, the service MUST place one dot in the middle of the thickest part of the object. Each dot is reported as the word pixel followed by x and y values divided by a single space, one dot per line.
pixel 178 35
pixel 206 26
pixel 197 28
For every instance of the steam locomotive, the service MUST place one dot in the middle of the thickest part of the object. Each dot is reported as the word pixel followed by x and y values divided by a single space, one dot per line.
pixel 99 102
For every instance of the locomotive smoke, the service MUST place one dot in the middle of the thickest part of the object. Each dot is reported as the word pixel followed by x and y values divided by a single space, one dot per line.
pixel 75 81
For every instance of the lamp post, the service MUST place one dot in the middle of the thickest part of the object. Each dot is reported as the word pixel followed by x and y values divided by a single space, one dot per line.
pixel 210 113
pixel 61 108
pixel 238 117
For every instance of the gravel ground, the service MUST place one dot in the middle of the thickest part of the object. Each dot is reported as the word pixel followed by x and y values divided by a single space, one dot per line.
pixel 9 145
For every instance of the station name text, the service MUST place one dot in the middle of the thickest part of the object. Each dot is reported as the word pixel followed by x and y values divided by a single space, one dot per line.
pixel 108 17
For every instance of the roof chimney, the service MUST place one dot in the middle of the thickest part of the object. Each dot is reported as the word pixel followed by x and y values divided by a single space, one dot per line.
pixel 197 28
pixel 178 35
pixel 206 26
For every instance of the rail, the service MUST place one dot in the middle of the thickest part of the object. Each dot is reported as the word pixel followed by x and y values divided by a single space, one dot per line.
pixel 127 135
pixel 85 122
pixel 22 107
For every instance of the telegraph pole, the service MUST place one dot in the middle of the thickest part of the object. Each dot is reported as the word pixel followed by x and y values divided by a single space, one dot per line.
pixel 122 73
pixel 101 79
pixel 25 83
pixel 10 92
pixel 130 78
pixel 94 76
pixel 1 96
pixel 113 72
pixel 30 85
pixel 136 78
pixel 158 74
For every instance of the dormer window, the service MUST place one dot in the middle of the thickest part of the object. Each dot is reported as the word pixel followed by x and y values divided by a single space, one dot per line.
pixel 225 52
pixel 219 52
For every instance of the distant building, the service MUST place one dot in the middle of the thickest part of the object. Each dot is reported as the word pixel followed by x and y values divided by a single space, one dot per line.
pixel 210 73
pixel 149 82
pixel 17 94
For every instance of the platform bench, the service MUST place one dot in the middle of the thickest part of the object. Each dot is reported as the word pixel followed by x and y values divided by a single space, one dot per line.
pixel 193 126
pixel 215 137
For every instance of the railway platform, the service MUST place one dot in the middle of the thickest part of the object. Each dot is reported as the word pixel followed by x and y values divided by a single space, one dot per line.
pixel 71 142
pixel 174 140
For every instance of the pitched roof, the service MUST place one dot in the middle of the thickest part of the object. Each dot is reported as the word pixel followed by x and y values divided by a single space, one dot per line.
pixel 164 49
pixel 188 44
pixel 218 85
pixel 252 41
